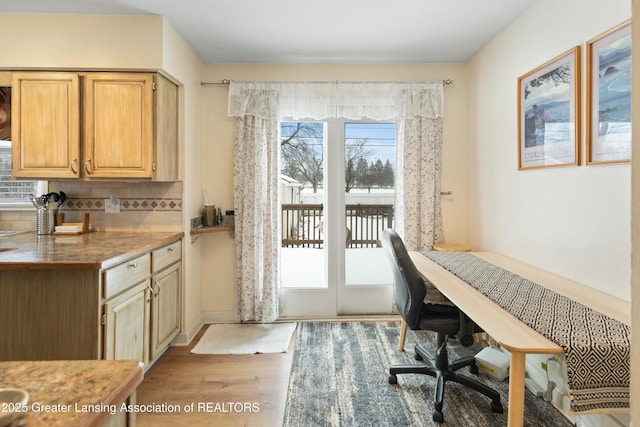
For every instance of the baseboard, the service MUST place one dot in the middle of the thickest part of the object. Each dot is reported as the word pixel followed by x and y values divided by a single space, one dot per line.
pixel 209 317
pixel 344 318
pixel 205 318
pixel 219 317
pixel 185 338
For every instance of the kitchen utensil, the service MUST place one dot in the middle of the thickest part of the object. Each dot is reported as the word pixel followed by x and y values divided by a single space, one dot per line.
pixel 33 200
pixel 63 198
pixel 53 199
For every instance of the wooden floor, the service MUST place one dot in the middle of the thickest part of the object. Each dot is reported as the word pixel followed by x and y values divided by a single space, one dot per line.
pixel 223 390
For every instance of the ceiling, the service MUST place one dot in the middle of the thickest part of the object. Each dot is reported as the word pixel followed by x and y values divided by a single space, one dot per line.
pixel 306 31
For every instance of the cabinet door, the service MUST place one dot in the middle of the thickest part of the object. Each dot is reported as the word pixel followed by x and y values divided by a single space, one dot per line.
pixel 45 129
pixel 118 125
pixel 167 152
pixel 127 325
pixel 165 308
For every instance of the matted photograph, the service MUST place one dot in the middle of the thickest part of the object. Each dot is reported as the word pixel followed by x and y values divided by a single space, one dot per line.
pixel 549 113
pixel 609 96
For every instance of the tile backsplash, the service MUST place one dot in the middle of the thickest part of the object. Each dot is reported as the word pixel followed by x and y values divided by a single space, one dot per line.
pixel 144 206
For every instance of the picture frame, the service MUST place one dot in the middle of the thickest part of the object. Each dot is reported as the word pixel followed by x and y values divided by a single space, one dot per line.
pixel 549 113
pixel 608 127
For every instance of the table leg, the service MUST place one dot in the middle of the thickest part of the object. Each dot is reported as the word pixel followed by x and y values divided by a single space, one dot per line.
pixel 403 334
pixel 516 390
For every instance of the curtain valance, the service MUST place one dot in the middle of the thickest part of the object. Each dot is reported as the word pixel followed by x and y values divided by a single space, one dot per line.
pixel 323 100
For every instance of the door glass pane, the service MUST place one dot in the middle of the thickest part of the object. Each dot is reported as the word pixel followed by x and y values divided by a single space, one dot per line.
pixel 369 194
pixel 302 201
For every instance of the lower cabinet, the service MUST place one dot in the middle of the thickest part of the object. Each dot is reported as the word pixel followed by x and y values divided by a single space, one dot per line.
pixel 130 310
pixel 165 315
pixel 141 312
pixel 126 325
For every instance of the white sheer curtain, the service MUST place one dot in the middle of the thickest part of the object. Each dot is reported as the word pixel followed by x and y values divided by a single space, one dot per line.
pixel 257 219
pixel 258 106
pixel 352 101
pixel 418 215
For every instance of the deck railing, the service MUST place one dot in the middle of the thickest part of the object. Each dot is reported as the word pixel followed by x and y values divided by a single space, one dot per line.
pixel 302 225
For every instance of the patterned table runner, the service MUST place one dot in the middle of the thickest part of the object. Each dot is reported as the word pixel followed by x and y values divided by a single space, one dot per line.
pixel 597 347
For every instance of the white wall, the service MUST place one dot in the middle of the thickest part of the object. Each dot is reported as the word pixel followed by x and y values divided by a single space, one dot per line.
pixel 81 42
pixel 218 249
pixel 574 221
pixel 181 62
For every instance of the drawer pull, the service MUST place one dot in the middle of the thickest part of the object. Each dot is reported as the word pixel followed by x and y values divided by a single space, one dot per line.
pixel 133 265
pixel 170 249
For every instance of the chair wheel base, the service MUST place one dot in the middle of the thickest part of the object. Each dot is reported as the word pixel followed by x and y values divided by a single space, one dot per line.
pixel 418 357
pixel 437 416
pixel 497 407
pixel 393 379
pixel 474 369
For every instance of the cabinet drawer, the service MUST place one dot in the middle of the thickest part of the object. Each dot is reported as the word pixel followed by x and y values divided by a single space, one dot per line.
pixel 125 275
pixel 166 255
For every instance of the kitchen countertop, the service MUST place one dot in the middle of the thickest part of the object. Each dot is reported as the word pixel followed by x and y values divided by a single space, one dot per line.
pixel 63 393
pixel 90 251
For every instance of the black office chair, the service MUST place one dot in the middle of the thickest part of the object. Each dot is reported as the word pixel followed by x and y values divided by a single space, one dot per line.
pixel 447 321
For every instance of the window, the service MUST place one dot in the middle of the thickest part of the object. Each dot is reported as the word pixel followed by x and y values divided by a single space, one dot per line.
pixel 14 194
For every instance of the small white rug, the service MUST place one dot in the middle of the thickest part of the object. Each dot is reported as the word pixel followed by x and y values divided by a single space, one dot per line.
pixel 245 338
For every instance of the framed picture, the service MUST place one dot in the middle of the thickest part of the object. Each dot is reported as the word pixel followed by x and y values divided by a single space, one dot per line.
pixel 549 112
pixel 609 96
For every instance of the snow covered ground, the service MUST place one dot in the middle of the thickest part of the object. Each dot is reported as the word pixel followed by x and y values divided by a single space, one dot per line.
pixel 304 268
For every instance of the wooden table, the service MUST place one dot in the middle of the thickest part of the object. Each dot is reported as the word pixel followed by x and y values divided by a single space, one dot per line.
pixel 451 247
pixel 508 331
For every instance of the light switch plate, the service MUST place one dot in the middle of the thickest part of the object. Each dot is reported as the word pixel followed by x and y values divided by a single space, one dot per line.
pixel 112 205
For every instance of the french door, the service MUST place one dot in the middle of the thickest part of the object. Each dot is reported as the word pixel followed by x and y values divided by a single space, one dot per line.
pixel 337 196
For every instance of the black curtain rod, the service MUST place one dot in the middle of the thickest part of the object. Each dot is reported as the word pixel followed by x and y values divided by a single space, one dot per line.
pixel 226 82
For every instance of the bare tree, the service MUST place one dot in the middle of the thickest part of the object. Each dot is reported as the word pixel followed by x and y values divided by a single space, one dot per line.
pixel 301 152
pixel 354 150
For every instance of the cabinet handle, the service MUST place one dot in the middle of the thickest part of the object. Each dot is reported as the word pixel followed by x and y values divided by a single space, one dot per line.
pixel 133 265
pixel 170 249
pixel 74 161
pixel 158 285
pixel 150 292
pixel 86 166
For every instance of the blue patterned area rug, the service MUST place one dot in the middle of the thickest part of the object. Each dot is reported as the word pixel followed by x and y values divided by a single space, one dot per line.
pixel 339 377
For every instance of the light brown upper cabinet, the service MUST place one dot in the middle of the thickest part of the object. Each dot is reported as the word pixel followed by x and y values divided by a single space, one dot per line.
pixel 120 125
pixel 45 125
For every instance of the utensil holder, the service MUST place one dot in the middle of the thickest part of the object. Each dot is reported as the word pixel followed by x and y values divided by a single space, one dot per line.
pixel 46 220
